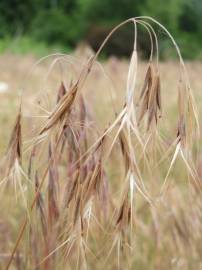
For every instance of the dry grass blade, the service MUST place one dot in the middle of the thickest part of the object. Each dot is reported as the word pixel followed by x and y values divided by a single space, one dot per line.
pixel 14 151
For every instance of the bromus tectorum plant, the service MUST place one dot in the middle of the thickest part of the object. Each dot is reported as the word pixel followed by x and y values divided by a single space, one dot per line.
pixel 78 214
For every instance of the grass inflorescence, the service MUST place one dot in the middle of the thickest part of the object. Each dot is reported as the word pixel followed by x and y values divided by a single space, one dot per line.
pixel 77 215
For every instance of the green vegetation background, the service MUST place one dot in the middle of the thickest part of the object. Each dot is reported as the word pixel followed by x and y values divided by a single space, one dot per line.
pixel 39 26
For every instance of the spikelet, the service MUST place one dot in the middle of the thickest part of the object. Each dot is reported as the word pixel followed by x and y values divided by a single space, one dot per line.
pixel 53 211
pixel 150 97
pixel 31 161
pixel 71 187
pixel 93 180
pixel 15 145
pixel 131 80
pixel 62 107
pixel 61 92
pixel 12 165
pixel 181 132
pixel 41 208
pixel 78 205
pixel 124 215
pixel 125 150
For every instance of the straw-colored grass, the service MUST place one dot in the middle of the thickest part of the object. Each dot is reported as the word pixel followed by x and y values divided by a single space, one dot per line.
pixel 102 169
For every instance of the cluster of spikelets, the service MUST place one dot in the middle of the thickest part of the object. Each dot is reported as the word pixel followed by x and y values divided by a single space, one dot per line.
pixel 74 215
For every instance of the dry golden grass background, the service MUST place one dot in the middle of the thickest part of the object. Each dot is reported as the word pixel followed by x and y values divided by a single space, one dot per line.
pixel 168 238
